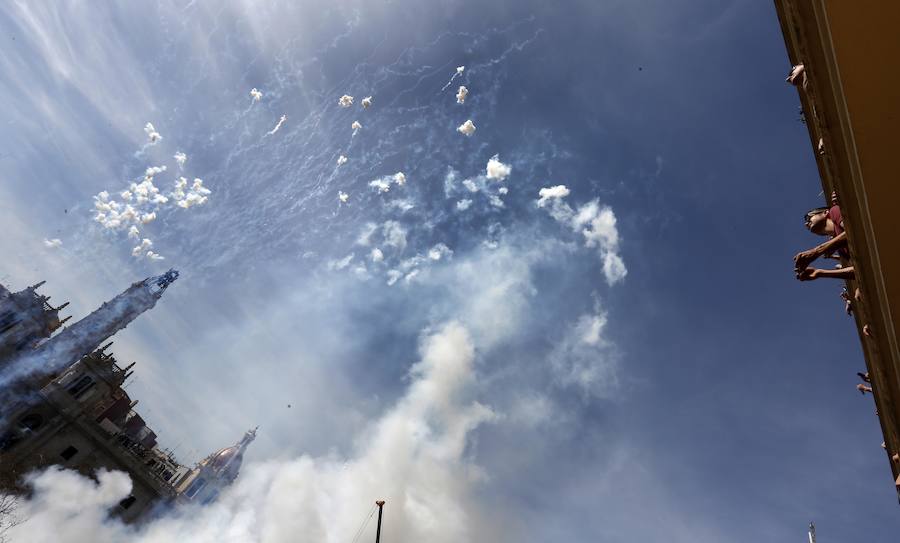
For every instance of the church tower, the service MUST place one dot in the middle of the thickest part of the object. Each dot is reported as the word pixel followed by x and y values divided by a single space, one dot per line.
pixel 215 472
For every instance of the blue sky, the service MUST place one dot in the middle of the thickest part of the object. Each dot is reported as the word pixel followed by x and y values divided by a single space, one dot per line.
pixel 510 389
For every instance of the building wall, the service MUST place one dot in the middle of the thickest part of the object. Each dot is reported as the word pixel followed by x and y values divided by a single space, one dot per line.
pixel 25 319
pixel 58 424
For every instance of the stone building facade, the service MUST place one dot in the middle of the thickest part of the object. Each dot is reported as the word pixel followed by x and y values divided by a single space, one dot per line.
pixel 81 417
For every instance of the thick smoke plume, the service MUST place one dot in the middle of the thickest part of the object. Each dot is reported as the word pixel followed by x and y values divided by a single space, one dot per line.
pixel 414 456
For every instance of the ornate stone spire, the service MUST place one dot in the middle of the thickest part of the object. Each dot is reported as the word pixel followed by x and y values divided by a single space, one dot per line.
pixel 84 336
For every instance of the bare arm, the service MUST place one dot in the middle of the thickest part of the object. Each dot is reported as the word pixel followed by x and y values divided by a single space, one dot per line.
pixel 809 274
pixel 802 260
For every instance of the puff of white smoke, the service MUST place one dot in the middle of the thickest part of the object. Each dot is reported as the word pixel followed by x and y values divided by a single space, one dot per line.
pixel 146 191
pixel 345 101
pixel 394 234
pixel 180 185
pixel 148 217
pixel 52 243
pixel 376 255
pixel 277 126
pixel 463 205
pixel 355 126
pixel 126 195
pixel 197 195
pixel 152 135
pixel 133 232
pixel 461 95
pixel 342 263
pixel 129 214
pixel 403 204
pixel 423 441
pixel 467 128
pixel 470 185
pixel 151 172
pixel 497 170
pixel 440 251
pixel 343 197
pixel 503 190
pixel 153 256
pixel 142 248
pixel 66 498
pixel 596 223
pixel 365 236
pixel 393 276
pixel 256 94
pixel 180 158
pixel 495 201
pixel 366 102
pixel 103 196
pixel 410 276
pixel 382 184
pixel 457 73
pixel 551 193
pixel 341 160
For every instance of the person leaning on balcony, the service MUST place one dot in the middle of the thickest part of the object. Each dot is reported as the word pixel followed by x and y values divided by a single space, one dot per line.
pixel 825 221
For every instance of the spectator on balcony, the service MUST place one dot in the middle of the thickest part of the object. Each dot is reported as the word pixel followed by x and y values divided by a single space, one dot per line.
pixel 825 221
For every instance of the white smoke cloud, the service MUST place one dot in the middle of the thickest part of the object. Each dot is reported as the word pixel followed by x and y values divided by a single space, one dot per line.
pixel 147 218
pixel 277 126
pixel 467 128
pixel 383 184
pixel 471 185
pixel 345 101
pixel 255 95
pixel 196 195
pixel 54 243
pixel 503 190
pixel 401 204
pixel 356 127
pixel 440 251
pixel 153 136
pixel 152 171
pixel 459 71
pixel 342 263
pixel 584 359
pixel 393 276
pixel 596 223
pixel 463 205
pixel 415 456
pixel 367 102
pixel 394 234
pixel 180 158
pixel 341 160
pixel 365 235
pixel 343 197
pixel 497 170
pixel 68 507
pixel 551 193
pixel 461 95
pixel 408 278
pixel 133 232
pixel 141 249
pixel 376 255
pixel 153 256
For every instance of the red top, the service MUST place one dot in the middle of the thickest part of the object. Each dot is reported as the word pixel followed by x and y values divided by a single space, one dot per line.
pixel 835 215
pixel 838 220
